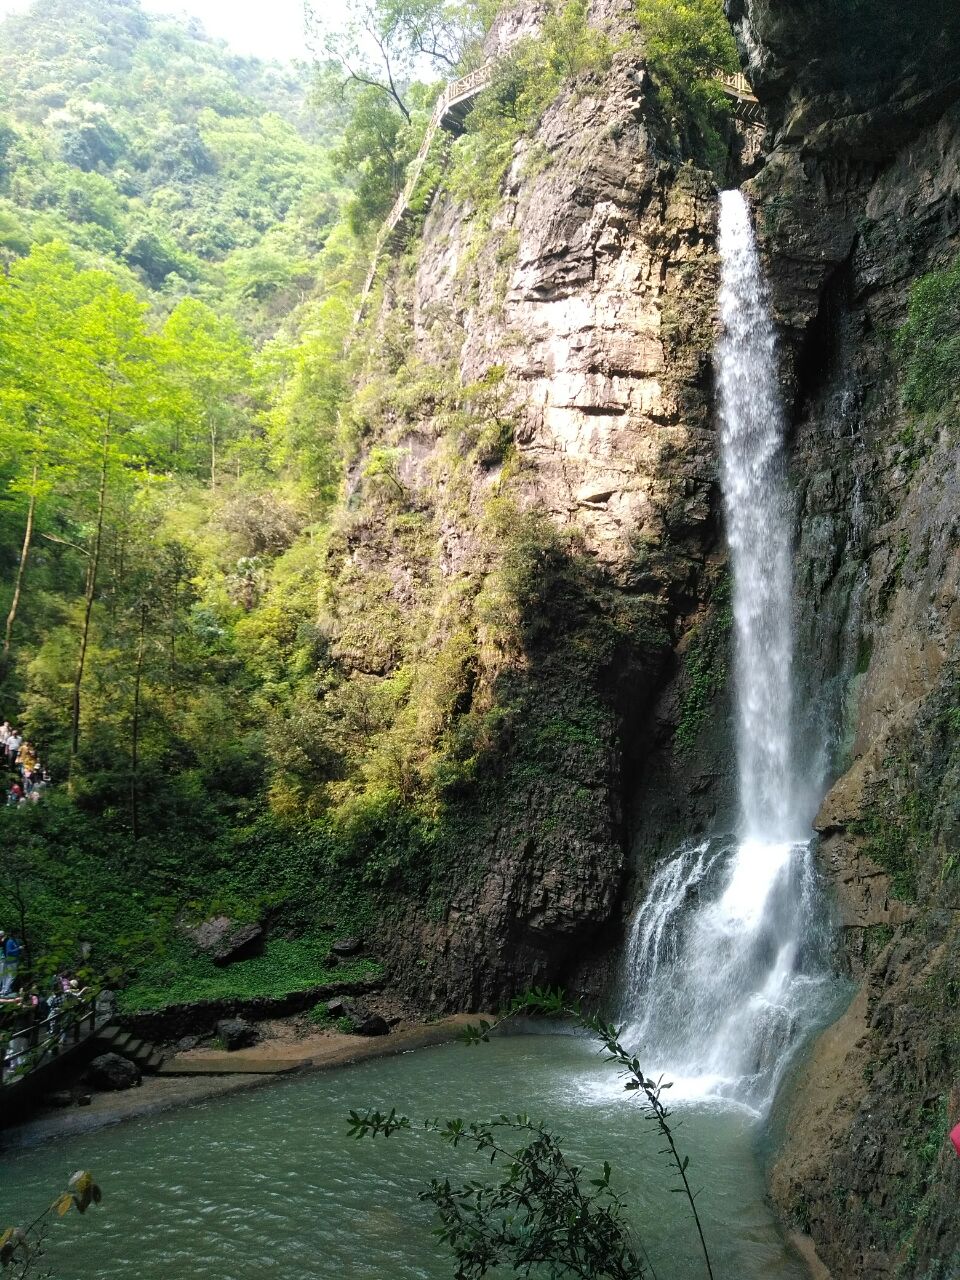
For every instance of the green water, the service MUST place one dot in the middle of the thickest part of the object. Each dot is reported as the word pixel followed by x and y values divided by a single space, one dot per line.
pixel 268 1183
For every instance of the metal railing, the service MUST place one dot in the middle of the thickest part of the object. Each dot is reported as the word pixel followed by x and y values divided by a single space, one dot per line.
pixel 26 1049
pixel 738 85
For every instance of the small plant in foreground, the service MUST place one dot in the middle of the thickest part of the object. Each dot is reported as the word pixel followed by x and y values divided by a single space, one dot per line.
pixel 542 1214
pixel 21 1248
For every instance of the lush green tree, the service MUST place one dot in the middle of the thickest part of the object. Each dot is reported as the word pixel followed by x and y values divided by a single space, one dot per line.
pixel 372 64
pixel 687 40
pixel 449 34
pixel 686 43
pixel 207 363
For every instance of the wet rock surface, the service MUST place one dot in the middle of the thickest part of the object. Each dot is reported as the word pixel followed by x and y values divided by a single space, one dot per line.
pixel 859 198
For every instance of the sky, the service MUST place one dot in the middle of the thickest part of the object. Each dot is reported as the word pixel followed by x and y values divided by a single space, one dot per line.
pixel 267 28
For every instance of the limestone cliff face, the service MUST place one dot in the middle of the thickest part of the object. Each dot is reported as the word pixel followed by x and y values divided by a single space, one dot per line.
pixel 860 197
pixel 573 332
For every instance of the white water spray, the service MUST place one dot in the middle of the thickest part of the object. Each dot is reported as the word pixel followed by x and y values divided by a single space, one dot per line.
pixel 758 532
pixel 724 963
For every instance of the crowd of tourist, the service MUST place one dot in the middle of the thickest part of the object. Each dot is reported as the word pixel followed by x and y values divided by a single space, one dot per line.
pixel 20 756
pixel 34 1021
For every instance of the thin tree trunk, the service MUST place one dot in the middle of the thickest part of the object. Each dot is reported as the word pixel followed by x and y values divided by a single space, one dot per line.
pixel 89 592
pixel 21 567
pixel 173 628
pixel 135 734
pixel 213 457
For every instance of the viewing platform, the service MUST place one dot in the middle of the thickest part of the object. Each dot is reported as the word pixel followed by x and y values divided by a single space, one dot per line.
pixel 745 104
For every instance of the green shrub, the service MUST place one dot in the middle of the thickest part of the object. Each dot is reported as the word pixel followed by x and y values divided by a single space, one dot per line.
pixel 928 343
pixel 525 81
pixel 686 42
pixel 704 669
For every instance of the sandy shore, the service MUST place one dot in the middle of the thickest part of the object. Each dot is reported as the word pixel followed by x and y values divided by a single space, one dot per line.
pixel 325 1050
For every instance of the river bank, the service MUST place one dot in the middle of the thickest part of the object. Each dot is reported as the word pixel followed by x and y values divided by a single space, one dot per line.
pixel 318 1051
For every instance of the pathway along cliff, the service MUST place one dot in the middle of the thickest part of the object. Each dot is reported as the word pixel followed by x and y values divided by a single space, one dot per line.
pixel 726 960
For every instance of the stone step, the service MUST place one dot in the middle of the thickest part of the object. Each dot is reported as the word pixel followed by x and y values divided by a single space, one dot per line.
pixel 115 1038
pixel 225 1064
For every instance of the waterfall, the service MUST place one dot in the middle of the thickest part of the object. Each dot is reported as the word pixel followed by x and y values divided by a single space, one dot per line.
pixel 758 532
pixel 725 960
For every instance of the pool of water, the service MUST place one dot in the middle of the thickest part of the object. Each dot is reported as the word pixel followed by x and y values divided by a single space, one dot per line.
pixel 268 1182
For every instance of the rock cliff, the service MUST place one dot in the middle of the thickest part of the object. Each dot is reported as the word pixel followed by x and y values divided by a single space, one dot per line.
pixel 533 508
pixel 860 197
pixel 548 531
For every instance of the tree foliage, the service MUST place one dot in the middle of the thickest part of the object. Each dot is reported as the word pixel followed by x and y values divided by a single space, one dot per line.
pixel 686 42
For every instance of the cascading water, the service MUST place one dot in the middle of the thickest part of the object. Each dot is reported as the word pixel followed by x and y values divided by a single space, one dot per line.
pixel 725 963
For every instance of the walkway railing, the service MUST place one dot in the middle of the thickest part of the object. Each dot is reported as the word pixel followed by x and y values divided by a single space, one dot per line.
pixel 745 104
pixel 454 102
pixel 25 1050
pixel 738 84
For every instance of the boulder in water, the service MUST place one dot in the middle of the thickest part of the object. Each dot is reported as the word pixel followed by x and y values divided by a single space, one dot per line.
pixel 113 1071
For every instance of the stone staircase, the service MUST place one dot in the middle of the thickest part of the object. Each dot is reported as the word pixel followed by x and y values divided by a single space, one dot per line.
pixel 113 1039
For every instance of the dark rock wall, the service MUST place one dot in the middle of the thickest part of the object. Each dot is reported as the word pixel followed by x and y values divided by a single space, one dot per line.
pixel 861 196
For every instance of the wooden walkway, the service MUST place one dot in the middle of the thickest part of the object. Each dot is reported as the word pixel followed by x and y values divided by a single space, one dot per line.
pixel 745 104
pixel 452 109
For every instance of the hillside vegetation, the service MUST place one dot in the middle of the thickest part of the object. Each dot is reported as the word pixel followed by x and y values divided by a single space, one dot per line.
pixel 237 713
